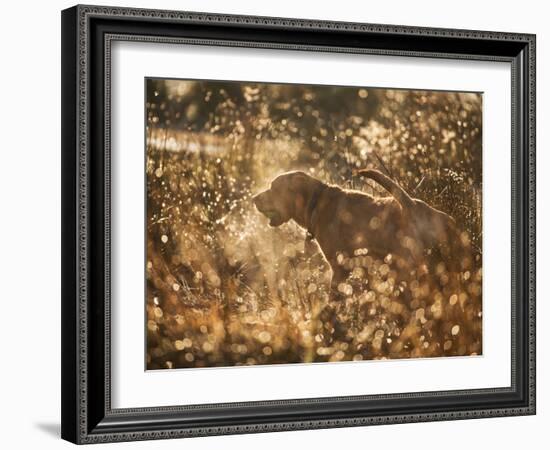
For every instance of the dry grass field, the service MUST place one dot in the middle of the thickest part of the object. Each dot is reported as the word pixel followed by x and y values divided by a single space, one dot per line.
pixel 225 289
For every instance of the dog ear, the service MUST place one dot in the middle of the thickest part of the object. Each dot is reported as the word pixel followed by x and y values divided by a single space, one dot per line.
pixel 297 181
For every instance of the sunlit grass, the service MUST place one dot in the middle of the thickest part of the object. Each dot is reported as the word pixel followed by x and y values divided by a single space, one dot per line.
pixel 223 288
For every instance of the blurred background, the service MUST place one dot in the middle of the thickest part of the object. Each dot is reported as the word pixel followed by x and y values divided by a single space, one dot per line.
pixel 223 288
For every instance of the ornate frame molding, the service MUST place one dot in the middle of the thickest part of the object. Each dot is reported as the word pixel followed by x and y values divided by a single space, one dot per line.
pixel 80 418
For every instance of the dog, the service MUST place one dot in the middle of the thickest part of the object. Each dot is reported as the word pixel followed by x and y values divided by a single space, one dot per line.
pixel 344 221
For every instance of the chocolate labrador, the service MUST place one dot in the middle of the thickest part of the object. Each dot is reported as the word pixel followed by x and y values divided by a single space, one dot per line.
pixel 344 221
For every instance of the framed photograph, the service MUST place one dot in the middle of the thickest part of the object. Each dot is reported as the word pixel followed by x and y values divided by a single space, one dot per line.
pixel 282 224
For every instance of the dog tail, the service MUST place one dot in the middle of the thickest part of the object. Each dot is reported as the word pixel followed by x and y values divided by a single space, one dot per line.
pixel 391 186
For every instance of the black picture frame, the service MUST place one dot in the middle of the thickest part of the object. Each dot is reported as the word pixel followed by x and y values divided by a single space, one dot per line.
pixel 87 33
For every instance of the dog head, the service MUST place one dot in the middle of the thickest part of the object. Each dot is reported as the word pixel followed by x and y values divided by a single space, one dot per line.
pixel 286 198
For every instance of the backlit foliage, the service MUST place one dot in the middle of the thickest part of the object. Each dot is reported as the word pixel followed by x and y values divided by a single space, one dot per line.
pixel 224 288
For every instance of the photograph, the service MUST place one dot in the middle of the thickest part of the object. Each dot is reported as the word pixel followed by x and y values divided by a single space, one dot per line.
pixel 272 223
pixel 297 223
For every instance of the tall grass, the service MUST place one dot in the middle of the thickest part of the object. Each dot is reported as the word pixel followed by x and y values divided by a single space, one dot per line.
pixel 223 288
